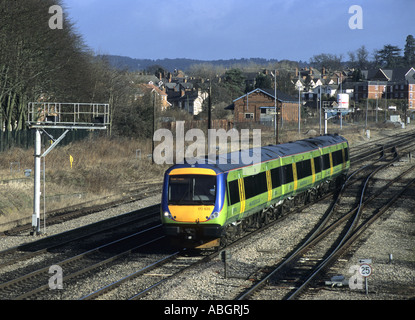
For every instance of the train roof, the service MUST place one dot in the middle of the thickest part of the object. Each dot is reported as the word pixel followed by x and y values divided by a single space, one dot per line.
pixel 235 160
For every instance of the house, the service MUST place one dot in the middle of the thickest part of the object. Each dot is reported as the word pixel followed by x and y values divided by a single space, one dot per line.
pixel 161 94
pixel 259 106
pixel 189 100
pixel 398 83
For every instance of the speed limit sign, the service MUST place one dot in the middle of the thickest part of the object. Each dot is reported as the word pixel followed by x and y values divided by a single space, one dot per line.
pixel 365 270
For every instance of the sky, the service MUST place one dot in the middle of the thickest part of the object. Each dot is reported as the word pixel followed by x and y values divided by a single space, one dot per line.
pixel 234 29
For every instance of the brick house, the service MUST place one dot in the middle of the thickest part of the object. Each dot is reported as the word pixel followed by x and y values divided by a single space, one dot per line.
pixel 150 87
pixel 258 106
pixel 398 83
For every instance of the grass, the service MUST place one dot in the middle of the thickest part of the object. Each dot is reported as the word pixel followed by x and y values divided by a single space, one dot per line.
pixel 102 168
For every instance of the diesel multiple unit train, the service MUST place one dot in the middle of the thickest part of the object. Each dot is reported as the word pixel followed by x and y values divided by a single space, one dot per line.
pixel 202 203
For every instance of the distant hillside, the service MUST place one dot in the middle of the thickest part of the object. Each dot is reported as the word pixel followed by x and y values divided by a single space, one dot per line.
pixel 132 64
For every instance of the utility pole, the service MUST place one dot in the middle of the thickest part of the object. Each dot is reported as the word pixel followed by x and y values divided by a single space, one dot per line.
pixel 210 107
pixel 319 90
pixel 299 105
pixel 154 127
pixel 276 118
pixel 377 99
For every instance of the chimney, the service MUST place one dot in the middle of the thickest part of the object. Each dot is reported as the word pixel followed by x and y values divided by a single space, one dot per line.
pixel 296 72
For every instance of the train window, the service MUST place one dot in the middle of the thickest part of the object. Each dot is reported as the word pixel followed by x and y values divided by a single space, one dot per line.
pixel 250 189
pixel 346 154
pixel 192 189
pixel 337 157
pixel 261 182
pixel 326 161
pixel 233 189
pixel 303 169
pixel 288 173
pixel 255 185
pixel 317 164
pixel 276 177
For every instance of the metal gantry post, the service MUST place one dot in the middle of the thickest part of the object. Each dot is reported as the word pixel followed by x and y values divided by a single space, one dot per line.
pixel 36 196
pixel 62 114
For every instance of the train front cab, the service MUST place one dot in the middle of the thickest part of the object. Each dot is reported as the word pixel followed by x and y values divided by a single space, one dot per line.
pixel 193 205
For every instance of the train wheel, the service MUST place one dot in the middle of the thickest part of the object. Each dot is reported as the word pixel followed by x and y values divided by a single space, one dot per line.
pixel 286 206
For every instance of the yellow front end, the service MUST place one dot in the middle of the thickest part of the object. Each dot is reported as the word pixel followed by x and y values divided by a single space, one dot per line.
pixel 191 214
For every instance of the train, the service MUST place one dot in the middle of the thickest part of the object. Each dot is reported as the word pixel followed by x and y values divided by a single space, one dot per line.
pixel 205 205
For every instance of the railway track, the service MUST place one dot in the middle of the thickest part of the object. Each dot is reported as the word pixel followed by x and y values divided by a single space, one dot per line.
pixel 145 266
pixel 79 251
pixel 59 216
pixel 296 271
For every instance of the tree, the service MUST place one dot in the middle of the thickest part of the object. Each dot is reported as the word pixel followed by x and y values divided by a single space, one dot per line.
pixel 263 81
pixel 39 63
pixel 389 56
pixel 234 80
pixel 359 58
pixel 409 51
pixel 362 58
pixel 326 60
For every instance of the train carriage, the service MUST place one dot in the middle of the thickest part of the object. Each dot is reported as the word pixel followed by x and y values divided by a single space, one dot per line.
pixel 202 202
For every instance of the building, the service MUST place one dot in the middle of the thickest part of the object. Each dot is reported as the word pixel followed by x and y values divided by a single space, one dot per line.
pixel 189 100
pixel 398 83
pixel 161 94
pixel 259 106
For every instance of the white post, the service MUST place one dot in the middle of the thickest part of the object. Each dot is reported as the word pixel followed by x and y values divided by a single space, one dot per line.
pixel 299 106
pixel 36 196
pixel 325 122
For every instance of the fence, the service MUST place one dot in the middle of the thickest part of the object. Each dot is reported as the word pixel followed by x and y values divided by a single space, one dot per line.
pixel 25 139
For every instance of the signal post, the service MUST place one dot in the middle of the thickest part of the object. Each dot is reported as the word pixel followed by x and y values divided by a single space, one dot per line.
pixel 66 116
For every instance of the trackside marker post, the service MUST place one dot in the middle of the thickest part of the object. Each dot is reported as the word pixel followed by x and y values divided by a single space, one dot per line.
pixel 365 271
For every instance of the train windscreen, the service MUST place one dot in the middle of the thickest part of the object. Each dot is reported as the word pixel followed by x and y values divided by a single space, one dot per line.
pixel 192 190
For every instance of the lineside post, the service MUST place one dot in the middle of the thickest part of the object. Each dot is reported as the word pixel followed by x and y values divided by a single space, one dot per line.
pixel 66 116
pixel 36 197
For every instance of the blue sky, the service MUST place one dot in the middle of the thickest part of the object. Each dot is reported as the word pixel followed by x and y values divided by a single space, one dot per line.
pixel 226 29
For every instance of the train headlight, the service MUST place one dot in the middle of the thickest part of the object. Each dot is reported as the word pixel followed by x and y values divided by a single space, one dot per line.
pixel 168 215
pixel 213 216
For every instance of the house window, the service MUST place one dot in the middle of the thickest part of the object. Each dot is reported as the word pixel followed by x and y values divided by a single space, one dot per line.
pixel 410 87
pixel 401 86
pixel 249 115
